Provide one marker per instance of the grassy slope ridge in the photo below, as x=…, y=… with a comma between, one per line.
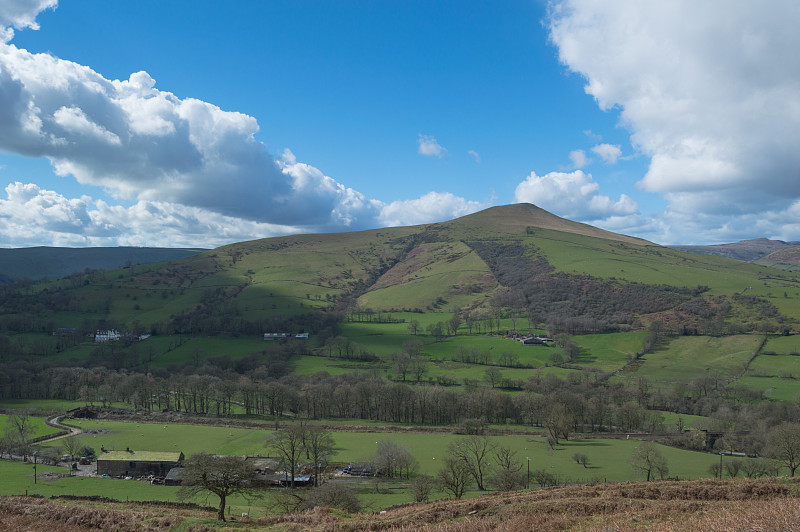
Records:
x=40, y=262
x=431, y=267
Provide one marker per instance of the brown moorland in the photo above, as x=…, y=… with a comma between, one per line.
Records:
x=706, y=504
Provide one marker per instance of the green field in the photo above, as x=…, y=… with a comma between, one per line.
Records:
x=687, y=357
x=607, y=352
x=610, y=455
x=37, y=426
x=775, y=388
x=764, y=365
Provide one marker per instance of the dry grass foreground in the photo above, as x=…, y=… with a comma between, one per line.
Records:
x=709, y=505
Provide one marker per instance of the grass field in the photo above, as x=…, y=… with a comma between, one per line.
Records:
x=783, y=345
x=764, y=365
x=607, y=352
x=775, y=388
x=37, y=426
x=687, y=357
x=609, y=455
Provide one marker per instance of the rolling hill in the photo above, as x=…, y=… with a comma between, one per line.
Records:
x=40, y=262
x=516, y=257
x=744, y=250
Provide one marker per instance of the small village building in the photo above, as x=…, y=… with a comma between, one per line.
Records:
x=130, y=463
x=111, y=335
x=285, y=336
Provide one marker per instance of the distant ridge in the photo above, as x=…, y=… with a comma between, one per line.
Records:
x=39, y=262
x=744, y=250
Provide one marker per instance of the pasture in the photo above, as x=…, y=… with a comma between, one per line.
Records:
x=608, y=457
x=37, y=426
x=684, y=358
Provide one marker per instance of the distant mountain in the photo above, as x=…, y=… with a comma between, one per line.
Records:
x=786, y=258
x=744, y=250
x=40, y=262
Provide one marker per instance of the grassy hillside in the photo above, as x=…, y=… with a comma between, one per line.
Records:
x=40, y=262
x=517, y=257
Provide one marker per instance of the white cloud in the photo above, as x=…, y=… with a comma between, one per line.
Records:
x=572, y=195
x=608, y=152
x=476, y=155
x=145, y=144
x=432, y=207
x=34, y=216
x=430, y=147
x=710, y=91
x=579, y=159
x=685, y=228
x=21, y=14
x=31, y=215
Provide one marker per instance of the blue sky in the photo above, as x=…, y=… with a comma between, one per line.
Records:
x=198, y=123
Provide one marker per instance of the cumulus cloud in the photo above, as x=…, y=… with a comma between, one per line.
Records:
x=145, y=144
x=21, y=14
x=432, y=207
x=34, y=216
x=579, y=159
x=684, y=228
x=430, y=147
x=708, y=90
x=31, y=215
x=572, y=195
x=196, y=173
x=609, y=153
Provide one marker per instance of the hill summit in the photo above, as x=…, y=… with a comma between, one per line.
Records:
x=516, y=218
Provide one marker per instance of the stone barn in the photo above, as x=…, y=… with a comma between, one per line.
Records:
x=137, y=463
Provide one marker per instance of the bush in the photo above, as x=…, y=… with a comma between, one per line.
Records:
x=421, y=487
x=333, y=495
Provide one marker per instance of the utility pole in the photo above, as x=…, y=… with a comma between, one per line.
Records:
x=528, y=483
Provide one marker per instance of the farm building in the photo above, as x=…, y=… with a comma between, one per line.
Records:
x=285, y=336
x=101, y=337
x=137, y=463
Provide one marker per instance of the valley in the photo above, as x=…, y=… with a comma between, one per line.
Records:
x=415, y=335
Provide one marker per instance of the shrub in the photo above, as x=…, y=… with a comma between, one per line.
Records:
x=333, y=495
x=421, y=487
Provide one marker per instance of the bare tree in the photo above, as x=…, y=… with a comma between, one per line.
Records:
x=783, y=444
x=647, y=459
x=287, y=444
x=221, y=475
x=22, y=424
x=393, y=459
x=557, y=420
x=508, y=470
x=421, y=487
x=581, y=459
x=401, y=362
x=319, y=447
x=72, y=446
x=493, y=375
x=474, y=451
x=453, y=476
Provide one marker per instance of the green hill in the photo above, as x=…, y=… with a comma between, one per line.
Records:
x=516, y=257
x=41, y=262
